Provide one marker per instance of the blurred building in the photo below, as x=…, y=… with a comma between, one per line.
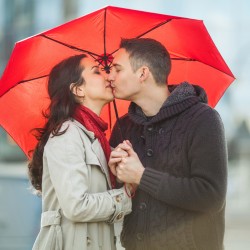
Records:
x=23, y=18
x=9, y=151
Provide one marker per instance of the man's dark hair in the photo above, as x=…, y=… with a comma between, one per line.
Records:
x=151, y=53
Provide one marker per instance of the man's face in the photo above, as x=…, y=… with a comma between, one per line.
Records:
x=125, y=82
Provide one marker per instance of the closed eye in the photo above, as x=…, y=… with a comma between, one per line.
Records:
x=96, y=70
x=117, y=67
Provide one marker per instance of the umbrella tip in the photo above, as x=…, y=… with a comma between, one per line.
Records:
x=107, y=69
x=105, y=60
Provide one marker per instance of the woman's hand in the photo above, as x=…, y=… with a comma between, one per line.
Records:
x=116, y=157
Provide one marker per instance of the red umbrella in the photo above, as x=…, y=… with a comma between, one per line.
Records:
x=23, y=94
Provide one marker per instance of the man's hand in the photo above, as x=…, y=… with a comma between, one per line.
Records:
x=130, y=168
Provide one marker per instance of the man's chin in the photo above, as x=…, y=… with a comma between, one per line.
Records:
x=116, y=95
x=120, y=96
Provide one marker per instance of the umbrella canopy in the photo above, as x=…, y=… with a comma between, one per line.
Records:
x=23, y=94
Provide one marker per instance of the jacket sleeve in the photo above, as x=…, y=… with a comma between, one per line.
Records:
x=65, y=156
x=205, y=188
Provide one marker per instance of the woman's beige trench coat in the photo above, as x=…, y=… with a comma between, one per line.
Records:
x=78, y=207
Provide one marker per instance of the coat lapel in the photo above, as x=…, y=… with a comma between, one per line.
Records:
x=97, y=149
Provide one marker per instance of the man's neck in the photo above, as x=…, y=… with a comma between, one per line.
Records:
x=152, y=100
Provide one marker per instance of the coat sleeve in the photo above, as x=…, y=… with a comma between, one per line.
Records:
x=205, y=188
x=65, y=158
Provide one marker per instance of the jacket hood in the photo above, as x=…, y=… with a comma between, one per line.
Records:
x=183, y=91
x=181, y=97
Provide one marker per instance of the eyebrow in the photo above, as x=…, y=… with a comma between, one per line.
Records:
x=95, y=67
x=117, y=65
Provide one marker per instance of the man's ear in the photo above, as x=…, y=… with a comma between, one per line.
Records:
x=77, y=90
x=143, y=73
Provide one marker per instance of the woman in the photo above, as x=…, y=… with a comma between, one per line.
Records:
x=69, y=164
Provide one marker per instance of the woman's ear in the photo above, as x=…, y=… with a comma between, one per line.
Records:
x=77, y=90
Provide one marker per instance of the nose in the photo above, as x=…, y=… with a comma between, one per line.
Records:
x=105, y=75
x=111, y=76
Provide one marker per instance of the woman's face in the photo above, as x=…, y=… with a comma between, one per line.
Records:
x=96, y=88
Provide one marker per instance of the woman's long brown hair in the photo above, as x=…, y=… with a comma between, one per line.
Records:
x=61, y=109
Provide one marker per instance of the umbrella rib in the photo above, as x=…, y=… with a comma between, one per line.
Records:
x=104, y=32
x=64, y=44
x=183, y=59
x=69, y=46
x=104, y=59
x=28, y=80
x=155, y=27
x=32, y=79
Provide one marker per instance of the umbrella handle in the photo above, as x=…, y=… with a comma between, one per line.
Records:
x=118, y=120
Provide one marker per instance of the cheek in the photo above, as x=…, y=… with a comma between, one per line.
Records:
x=124, y=79
x=94, y=87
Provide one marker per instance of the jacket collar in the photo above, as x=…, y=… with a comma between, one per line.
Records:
x=90, y=134
x=97, y=149
x=182, y=97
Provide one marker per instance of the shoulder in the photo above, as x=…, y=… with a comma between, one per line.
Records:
x=70, y=131
x=206, y=118
x=119, y=126
x=73, y=127
x=122, y=124
x=209, y=113
x=202, y=111
x=66, y=134
x=124, y=117
x=124, y=120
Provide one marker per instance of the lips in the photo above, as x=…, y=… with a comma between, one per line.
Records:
x=109, y=86
x=112, y=85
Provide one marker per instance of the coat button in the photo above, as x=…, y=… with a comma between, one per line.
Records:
x=142, y=137
x=161, y=131
x=139, y=236
x=149, y=152
x=119, y=216
x=118, y=198
x=88, y=240
x=142, y=206
x=150, y=128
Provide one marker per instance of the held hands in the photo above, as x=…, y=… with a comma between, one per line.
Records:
x=115, y=157
x=125, y=163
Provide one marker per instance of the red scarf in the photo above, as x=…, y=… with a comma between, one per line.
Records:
x=92, y=122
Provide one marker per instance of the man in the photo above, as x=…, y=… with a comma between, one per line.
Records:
x=177, y=157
